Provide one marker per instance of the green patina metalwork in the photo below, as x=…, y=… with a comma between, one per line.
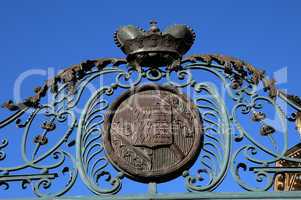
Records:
x=222, y=127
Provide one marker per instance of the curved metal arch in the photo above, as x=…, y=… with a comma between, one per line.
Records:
x=70, y=76
x=236, y=75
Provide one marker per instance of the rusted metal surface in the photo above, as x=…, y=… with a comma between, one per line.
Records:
x=69, y=76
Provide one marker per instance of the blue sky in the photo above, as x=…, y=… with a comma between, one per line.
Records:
x=41, y=34
x=55, y=34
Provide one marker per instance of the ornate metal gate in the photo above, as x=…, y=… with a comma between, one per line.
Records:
x=212, y=120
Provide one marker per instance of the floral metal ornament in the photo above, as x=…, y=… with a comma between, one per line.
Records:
x=239, y=132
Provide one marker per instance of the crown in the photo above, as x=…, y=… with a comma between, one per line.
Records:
x=153, y=46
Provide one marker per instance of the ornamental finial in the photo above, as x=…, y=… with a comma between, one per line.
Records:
x=153, y=26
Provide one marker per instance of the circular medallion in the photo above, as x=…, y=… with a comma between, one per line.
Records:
x=152, y=133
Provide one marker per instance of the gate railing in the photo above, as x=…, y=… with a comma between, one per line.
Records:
x=50, y=147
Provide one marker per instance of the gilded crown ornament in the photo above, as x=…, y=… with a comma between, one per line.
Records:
x=153, y=47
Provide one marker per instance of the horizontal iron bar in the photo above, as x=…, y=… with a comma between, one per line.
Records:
x=201, y=195
x=276, y=169
x=7, y=178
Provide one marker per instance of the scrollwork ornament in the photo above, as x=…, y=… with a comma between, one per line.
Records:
x=260, y=176
x=229, y=147
x=183, y=78
x=213, y=159
x=90, y=151
x=3, y=144
x=67, y=174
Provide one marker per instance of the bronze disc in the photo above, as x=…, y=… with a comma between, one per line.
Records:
x=152, y=133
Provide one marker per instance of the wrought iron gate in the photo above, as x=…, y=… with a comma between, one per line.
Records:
x=246, y=122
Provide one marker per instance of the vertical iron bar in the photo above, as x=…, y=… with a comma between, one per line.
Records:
x=152, y=188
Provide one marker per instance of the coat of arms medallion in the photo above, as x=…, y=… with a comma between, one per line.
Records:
x=152, y=133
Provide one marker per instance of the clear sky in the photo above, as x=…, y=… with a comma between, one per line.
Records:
x=40, y=34
x=37, y=34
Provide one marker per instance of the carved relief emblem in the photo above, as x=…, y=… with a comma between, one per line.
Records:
x=152, y=133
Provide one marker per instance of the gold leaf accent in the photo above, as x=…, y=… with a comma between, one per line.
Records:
x=298, y=121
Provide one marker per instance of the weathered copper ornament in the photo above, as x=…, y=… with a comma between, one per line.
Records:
x=152, y=133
